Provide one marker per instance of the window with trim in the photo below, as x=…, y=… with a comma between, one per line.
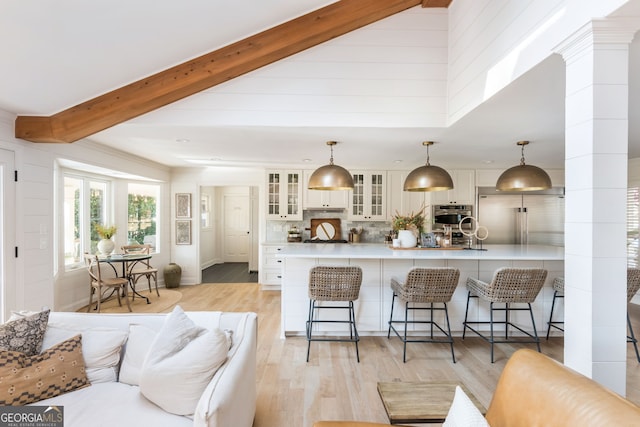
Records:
x=86, y=203
x=142, y=217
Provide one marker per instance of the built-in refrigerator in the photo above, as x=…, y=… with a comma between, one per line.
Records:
x=535, y=218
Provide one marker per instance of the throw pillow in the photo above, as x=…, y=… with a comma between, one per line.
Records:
x=24, y=334
x=101, y=348
x=138, y=344
x=26, y=379
x=181, y=362
x=463, y=413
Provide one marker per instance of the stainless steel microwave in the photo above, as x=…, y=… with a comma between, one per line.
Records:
x=451, y=215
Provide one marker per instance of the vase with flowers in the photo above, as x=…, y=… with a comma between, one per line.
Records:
x=408, y=227
x=106, y=245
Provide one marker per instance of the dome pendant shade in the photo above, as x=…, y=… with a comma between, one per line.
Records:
x=331, y=177
x=428, y=178
x=523, y=177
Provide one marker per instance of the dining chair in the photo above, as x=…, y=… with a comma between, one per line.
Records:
x=141, y=268
x=100, y=284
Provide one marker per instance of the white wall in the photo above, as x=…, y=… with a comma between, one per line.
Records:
x=493, y=42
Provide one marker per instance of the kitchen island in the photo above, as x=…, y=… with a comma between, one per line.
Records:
x=380, y=263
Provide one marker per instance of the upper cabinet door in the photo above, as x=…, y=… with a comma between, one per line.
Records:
x=368, y=199
x=284, y=195
x=322, y=198
x=463, y=192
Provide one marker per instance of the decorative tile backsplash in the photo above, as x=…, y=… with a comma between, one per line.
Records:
x=373, y=231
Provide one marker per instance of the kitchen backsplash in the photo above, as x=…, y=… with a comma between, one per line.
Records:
x=373, y=231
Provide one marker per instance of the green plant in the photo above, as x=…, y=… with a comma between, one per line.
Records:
x=105, y=232
x=412, y=221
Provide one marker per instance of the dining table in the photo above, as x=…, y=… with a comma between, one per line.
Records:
x=127, y=262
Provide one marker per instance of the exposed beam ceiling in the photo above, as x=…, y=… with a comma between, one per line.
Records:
x=206, y=71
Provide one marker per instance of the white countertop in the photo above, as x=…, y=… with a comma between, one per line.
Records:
x=381, y=251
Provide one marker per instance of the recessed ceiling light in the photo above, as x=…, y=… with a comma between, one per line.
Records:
x=397, y=161
x=487, y=162
x=306, y=160
x=182, y=140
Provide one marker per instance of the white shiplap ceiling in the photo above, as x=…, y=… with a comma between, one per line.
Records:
x=56, y=55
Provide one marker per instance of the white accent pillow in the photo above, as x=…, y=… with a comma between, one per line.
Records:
x=101, y=348
x=140, y=340
x=181, y=362
x=463, y=413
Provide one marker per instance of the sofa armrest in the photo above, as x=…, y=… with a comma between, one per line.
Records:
x=535, y=390
x=230, y=398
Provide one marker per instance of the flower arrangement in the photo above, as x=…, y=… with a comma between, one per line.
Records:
x=413, y=221
x=106, y=232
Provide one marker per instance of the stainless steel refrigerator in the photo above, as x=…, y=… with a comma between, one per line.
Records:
x=535, y=218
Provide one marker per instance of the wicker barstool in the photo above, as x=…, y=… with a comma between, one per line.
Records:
x=633, y=285
x=508, y=286
x=558, y=292
x=424, y=286
x=330, y=284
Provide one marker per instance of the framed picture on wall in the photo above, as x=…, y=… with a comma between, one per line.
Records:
x=183, y=232
x=183, y=205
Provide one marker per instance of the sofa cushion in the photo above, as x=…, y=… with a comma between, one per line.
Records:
x=138, y=344
x=101, y=348
x=463, y=413
x=26, y=379
x=25, y=333
x=181, y=362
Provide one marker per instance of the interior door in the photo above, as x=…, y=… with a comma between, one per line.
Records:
x=8, y=290
x=237, y=228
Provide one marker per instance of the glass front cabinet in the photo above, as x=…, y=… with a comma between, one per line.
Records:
x=284, y=195
x=367, y=200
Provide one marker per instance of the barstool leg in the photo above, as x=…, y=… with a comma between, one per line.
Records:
x=404, y=340
x=446, y=316
x=354, y=334
x=507, y=319
x=632, y=338
x=491, y=327
x=535, y=332
x=466, y=312
x=393, y=300
x=553, y=304
x=310, y=326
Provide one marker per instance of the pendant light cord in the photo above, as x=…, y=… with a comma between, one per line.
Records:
x=522, y=155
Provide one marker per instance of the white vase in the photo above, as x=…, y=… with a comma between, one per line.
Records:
x=407, y=239
x=106, y=246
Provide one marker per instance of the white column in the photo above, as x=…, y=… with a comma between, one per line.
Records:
x=596, y=145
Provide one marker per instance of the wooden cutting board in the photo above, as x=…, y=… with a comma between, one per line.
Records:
x=326, y=228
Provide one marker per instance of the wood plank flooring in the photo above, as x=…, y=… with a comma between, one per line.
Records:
x=333, y=385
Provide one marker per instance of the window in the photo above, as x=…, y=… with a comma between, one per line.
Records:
x=142, y=219
x=86, y=203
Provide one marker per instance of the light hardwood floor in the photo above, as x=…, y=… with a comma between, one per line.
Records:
x=333, y=385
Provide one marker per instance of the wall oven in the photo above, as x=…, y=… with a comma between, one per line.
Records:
x=452, y=215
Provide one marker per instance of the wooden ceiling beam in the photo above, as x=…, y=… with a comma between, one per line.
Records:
x=436, y=3
x=206, y=71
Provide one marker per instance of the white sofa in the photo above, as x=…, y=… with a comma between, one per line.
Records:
x=228, y=400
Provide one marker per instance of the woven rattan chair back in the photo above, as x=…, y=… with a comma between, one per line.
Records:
x=517, y=285
x=335, y=283
x=428, y=285
x=633, y=282
x=558, y=284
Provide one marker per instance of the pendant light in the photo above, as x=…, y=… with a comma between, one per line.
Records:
x=428, y=177
x=331, y=177
x=523, y=177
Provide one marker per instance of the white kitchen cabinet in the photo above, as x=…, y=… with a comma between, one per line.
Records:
x=404, y=202
x=368, y=199
x=271, y=266
x=463, y=192
x=284, y=195
x=322, y=198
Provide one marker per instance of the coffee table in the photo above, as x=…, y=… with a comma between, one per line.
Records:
x=420, y=402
